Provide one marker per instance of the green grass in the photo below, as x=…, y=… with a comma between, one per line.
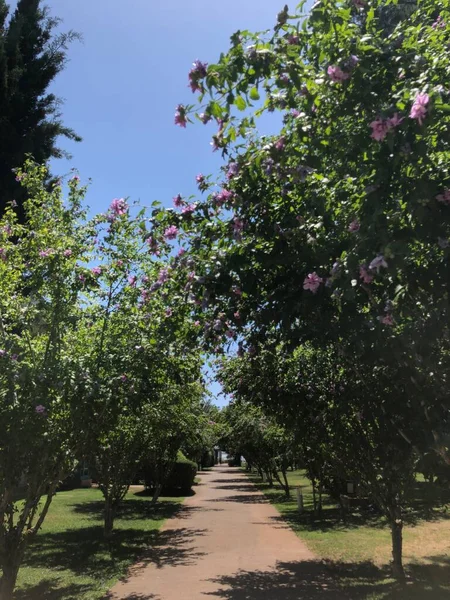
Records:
x=69, y=559
x=358, y=551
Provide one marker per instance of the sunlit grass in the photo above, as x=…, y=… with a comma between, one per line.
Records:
x=69, y=559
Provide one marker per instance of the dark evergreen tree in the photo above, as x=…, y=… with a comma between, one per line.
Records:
x=32, y=53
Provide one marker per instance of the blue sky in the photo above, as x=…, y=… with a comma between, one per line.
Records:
x=122, y=83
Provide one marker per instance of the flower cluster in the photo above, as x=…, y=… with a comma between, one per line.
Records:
x=419, y=108
x=196, y=74
x=381, y=127
x=180, y=116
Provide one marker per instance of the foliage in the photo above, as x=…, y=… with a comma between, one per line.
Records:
x=31, y=56
x=182, y=475
x=333, y=236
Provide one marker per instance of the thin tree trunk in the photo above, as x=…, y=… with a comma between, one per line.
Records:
x=156, y=493
x=313, y=481
x=8, y=581
x=110, y=514
x=287, y=489
x=397, y=543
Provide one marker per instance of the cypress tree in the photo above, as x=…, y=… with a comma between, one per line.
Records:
x=32, y=53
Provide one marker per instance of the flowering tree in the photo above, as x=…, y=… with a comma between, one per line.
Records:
x=336, y=231
x=39, y=314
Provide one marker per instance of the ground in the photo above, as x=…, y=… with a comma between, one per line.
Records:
x=359, y=551
x=69, y=560
x=234, y=539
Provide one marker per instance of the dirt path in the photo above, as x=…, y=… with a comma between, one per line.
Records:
x=227, y=542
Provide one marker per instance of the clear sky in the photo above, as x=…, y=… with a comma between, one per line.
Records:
x=122, y=84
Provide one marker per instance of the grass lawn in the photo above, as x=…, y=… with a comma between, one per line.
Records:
x=359, y=550
x=69, y=559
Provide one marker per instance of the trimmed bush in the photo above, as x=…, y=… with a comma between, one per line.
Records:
x=182, y=476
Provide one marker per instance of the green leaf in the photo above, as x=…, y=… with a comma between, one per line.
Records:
x=254, y=94
x=240, y=103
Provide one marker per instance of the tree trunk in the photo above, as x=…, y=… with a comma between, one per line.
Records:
x=397, y=546
x=8, y=580
x=110, y=514
x=313, y=481
x=286, y=487
x=156, y=493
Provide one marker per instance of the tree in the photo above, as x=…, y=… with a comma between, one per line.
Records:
x=31, y=56
x=39, y=403
x=335, y=232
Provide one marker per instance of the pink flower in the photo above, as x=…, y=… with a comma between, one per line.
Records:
x=394, y=121
x=40, y=409
x=364, y=274
x=237, y=291
x=380, y=129
x=444, y=197
x=171, y=233
x=132, y=280
x=153, y=244
x=119, y=263
x=96, y=270
x=46, y=253
x=178, y=201
x=238, y=227
x=123, y=378
x=197, y=323
x=163, y=276
x=222, y=197
x=75, y=178
x=312, y=282
x=118, y=207
x=377, y=263
x=418, y=109
x=168, y=312
x=439, y=23
x=336, y=74
x=181, y=251
x=189, y=209
x=67, y=253
x=180, y=116
x=387, y=320
x=354, y=226
x=82, y=278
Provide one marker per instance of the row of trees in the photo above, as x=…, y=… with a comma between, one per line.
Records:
x=99, y=356
x=322, y=257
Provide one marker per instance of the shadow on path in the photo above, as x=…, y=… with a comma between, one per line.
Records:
x=313, y=580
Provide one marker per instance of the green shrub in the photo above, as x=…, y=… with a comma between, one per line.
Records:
x=182, y=475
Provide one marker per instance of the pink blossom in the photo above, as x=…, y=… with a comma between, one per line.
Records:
x=168, y=312
x=237, y=291
x=40, y=409
x=293, y=40
x=171, y=232
x=163, y=276
x=197, y=323
x=178, y=201
x=380, y=129
x=387, y=320
x=2, y=353
x=118, y=207
x=132, y=280
x=233, y=170
x=439, y=23
x=395, y=121
x=82, y=278
x=444, y=197
x=153, y=244
x=180, y=116
x=189, y=209
x=418, y=109
x=354, y=226
x=96, y=270
x=119, y=263
x=222, y=197
x=238, y=227
x=67, y=253
x=14, y=357
x=7, y=229
x=75, y=178
x=364, y=274
x=377, y=263
x=46, y=253
x=336, y=74
x=312, y=282
x=181, y=251
x=123, y=378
